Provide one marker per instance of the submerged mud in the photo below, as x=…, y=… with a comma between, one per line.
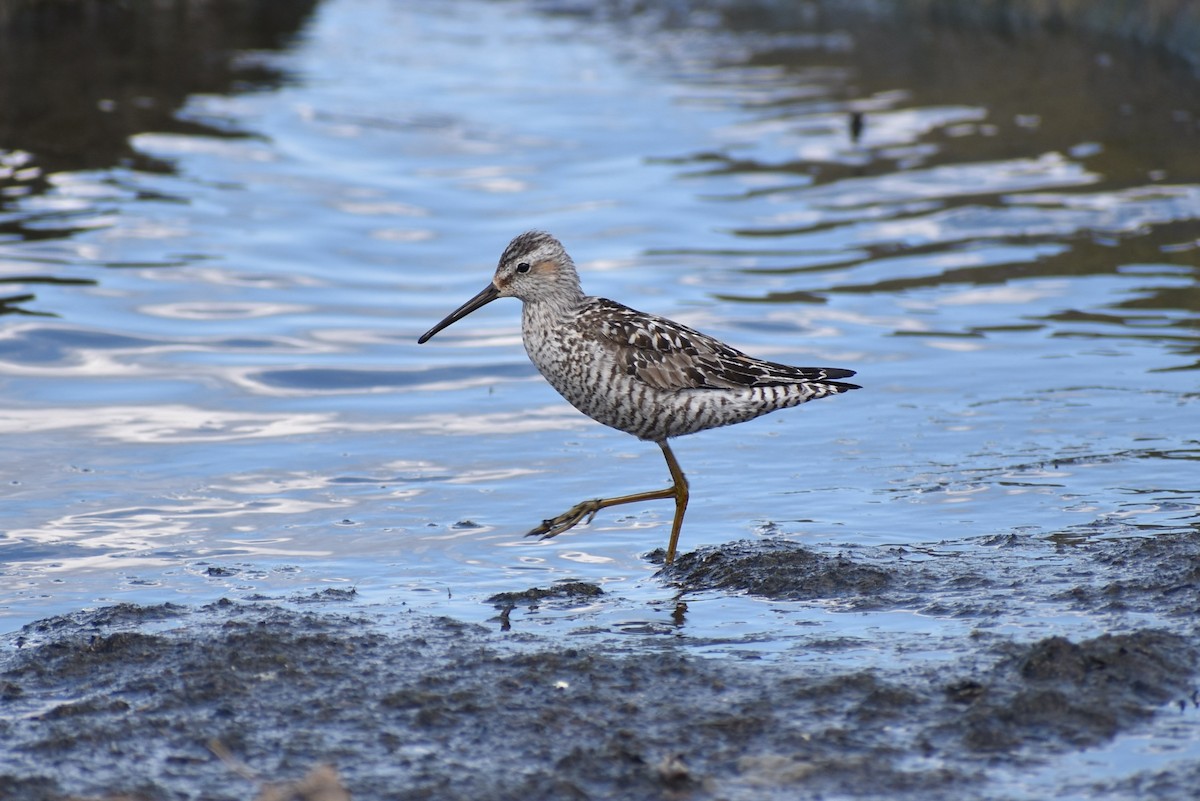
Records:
x=165, y=701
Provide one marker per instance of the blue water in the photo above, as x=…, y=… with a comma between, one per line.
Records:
x=220, y=392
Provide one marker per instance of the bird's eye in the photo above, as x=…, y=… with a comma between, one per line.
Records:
x=523, y=267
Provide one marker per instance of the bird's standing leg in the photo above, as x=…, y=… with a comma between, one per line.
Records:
x=680, y=485
x=573, y=516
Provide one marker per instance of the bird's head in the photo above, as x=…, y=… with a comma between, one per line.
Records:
x=535, y=267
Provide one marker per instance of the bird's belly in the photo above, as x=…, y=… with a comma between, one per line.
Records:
x=591, y=381
x=600, y=387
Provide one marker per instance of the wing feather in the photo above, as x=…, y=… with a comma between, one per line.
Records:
x=669, y=356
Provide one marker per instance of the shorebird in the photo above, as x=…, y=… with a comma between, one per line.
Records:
x=638, y=373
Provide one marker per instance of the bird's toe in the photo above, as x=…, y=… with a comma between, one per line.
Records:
x=554, y=526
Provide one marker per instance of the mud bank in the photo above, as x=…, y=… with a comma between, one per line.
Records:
x=130, y=699
x=1169, y=27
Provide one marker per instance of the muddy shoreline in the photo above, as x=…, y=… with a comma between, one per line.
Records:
x=128, y=701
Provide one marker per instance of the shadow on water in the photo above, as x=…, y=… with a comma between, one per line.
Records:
x=82, y=78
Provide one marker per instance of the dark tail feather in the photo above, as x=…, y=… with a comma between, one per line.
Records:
x=825, y=374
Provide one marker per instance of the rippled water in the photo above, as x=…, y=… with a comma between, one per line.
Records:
x=209, y=373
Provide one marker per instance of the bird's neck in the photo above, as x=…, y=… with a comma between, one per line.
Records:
x=553, y=307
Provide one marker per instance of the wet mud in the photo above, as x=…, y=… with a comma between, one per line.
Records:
x=1153, y=575
x=300, y=698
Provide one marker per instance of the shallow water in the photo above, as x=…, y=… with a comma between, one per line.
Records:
x=211, y=385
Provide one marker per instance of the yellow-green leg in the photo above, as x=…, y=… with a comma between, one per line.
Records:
x=588, y=509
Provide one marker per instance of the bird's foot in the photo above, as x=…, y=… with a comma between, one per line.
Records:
x=567, y=520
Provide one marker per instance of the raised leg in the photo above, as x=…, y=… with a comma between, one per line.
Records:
x=588, y=509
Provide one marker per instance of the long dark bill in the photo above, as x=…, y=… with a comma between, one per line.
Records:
x=485, y=297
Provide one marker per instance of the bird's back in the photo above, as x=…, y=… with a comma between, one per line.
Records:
x=654, y=378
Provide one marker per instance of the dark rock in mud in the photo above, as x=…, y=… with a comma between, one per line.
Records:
x=561, y=590
x=327, y=594
x=776, y=569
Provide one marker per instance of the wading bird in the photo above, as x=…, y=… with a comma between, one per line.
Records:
x=638, y=373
